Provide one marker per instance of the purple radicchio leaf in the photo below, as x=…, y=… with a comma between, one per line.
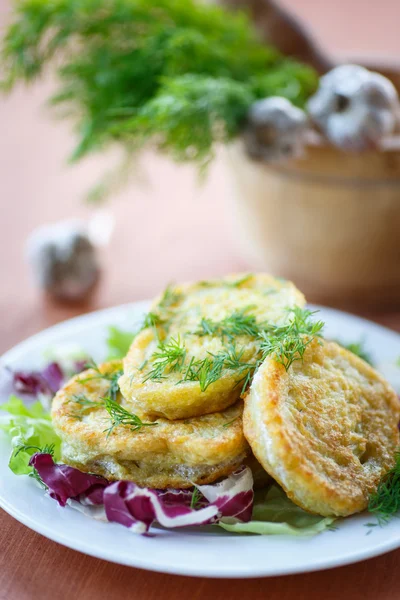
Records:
x=65, y=482
x=233, y=496
x=80, y=365
x=53, y=377
x=47, y=381
x=33, y=383
x=137, y=508
x=183, y=497
x=28, y=383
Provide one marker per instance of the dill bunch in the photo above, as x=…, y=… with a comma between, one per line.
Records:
x=178, y=74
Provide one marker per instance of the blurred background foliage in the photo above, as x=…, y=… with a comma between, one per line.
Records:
x=179, y=74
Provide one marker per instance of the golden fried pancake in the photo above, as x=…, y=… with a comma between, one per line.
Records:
x=169, y=454
x=183, y=318
x=325, y=430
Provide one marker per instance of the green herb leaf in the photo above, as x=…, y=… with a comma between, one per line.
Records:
x=240, y=281
x=196, y=497
x=239, y=323
x=177, y=73
x=385, y=502
x=30, y=429
x=210, y=369
x=168, y=358
x=121, y=416
x=287, y=344
x=112, y=377
x=118, y=342
x=275, y=514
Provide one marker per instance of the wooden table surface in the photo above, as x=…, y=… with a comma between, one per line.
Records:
x=167, y=228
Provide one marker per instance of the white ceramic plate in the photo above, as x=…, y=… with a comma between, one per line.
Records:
x=192, y=552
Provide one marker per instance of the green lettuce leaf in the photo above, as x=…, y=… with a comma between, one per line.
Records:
x=118, y=342
x=27, y=426
x=275, y=514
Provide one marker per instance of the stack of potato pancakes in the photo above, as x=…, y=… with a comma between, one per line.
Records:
x=231, y=372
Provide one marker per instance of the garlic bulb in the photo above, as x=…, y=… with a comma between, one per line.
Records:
x=354, y=108
x=63, y=260
x=275, y=130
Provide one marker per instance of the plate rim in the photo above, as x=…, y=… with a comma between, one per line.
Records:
x=221, y=571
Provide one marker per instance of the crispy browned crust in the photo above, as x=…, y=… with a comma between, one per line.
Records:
x=171, y=454
x=326, y=430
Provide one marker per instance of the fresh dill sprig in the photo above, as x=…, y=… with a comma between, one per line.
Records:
x=170, y=296
x=285, y=343
x=111, y=377
x=161, y=314
x=82, y=400
x=168, y=358
x=385, y=502
x=152, y=319
x=46, y=449
x=238, y=323
x=229, y=284
x=208, y=370
x=288, y=343
x=238, y=282
x=195, y=499
x=229, y=423
x=120, y=416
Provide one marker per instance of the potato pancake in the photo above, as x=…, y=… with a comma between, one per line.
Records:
x=165, y=454
x=326, y=429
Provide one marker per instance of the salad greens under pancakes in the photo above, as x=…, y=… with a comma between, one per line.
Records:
x=230, y=503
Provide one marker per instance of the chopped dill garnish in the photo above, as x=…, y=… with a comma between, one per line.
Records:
x=169, y=297
x=229, y=284
x=240, y=281
x=385, y=502
x=120, y=416
x=208, y=370
x=161, y=314
x=287, y=343
x=46, y=449
x=77, y=417
x=168, y=358
x=111, y=377
x=82, y=400
x=229, y=423
x=151, y=320
x=196, y=497
x=238, y=323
